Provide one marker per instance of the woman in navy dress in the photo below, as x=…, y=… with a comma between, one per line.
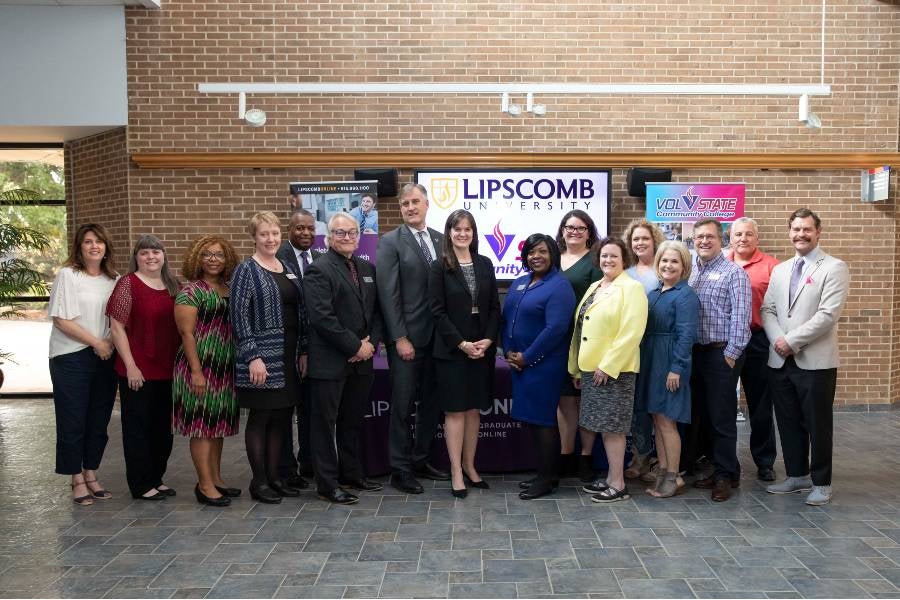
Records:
x=663, y=385
x=537, y=315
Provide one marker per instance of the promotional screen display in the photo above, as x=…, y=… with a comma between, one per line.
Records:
x=508, y=206
x=675, y=207
x=326, y=198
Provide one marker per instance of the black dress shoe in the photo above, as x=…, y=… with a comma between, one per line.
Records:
x=283, y=489
x=530, y=482
x=297, y=482
x=167, y=492
x=203, y=499
x=481, y=485
x=338, y=496
x=228, y=491
x=459, y=493
x=429, y=472
x=536, y=490
x=264, y=494
x=406, y=483
x=766, y=474
x=363, y=485
x=153, y=498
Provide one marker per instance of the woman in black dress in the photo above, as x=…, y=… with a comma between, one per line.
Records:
x=466, y=308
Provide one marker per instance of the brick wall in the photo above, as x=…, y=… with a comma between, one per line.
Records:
x=171, y=50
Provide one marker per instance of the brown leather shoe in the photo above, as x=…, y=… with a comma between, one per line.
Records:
x=722, y=490
x=710, y=482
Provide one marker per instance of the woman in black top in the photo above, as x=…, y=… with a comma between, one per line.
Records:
x=466, y=308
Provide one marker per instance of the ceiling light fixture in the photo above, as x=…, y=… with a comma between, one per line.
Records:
x=254, y=117
x=805, y=116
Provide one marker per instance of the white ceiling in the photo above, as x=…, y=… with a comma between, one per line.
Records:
x=51, y=134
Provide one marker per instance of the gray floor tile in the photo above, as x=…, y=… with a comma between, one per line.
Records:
x=450, y=560
x=229, y=524
x=772, y=537
x=294, y=563
x=565, y=531
x=427, y=533
x=656, y=588
x=828, y=588
x=616, y=538
x=80, y=587
x=329, y=542
x=892, y=575
x=80, y=555
x=492, y=521
x=845, y=547
x=240, y=553
x=645, y=520
x=189, y=518
x=315, y=591
x=607, y=558
x=390, y=551
x=371, y=524
x=141, y=535
x=483, y=590
x=178, y=575
x=403, y=509
x=188, y=542
x=494, y=540
x=514, y=570
x=246, y=586
x=744, y=579
x=363, y=573
x=678, y=567
x=757, y=556
x=283, y=530
x=707, y=528
x=839, y=568
x=415, y=585
x=136, y=565
x=583, y=581
x=847, y=528
x=542, y=549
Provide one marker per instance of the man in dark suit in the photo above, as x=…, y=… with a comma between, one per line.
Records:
x=346, y=327
x=296, y=253
x=403, y=260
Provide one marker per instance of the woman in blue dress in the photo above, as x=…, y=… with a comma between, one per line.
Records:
x=537, y=315
x=663, y=385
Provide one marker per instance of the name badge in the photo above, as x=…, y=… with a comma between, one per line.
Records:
x=521, y=286
x=291, y=276
x=714, y=277
x=367, y=279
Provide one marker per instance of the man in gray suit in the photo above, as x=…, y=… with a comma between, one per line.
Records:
x=800, y=315
x=402, y=265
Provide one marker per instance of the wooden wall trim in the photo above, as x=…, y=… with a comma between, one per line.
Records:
x=674, y=160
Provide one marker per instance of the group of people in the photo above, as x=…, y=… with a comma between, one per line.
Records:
x=610, y=336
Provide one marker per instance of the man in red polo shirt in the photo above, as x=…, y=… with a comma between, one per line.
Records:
x=758, y=266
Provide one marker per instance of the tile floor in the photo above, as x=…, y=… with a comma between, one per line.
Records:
x=489, y=545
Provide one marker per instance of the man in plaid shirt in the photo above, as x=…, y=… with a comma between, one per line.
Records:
x=724, y=331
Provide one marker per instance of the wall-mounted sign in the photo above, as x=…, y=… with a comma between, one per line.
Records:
x=689, y=202
x=324, y=199
x=508, y=206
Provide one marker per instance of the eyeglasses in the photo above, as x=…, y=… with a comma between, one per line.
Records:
x=345, y=233
x=219, y=256
x=575, y=229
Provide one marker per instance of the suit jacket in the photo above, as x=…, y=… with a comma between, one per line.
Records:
x=289, y=257
x=612, y=330
x=341, y=315
x=403, y=286
x=808, y=321
x=451, y=305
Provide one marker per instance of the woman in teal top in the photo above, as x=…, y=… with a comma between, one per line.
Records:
x=575, y=236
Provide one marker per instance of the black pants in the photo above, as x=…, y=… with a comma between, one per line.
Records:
x=412, y=389
x=84, y=391
x=146, y=433
x=289, y=463
x=714, y=408
x=546, y=451
x=755, y=380
x=803, y=406
x=338, y=409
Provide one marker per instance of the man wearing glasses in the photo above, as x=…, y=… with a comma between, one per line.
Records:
x=724, y=331
x=346, y=327
x=404, y=258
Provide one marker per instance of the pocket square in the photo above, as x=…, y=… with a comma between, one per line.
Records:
x=809, y=280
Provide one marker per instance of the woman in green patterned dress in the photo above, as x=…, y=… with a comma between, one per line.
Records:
x=205, y=406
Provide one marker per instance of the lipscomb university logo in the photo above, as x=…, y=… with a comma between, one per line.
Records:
x=444, y=191
x=499, y=242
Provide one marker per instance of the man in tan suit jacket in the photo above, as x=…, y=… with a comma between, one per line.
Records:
x=800, y=315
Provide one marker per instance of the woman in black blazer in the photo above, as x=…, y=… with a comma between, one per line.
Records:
x=466, y=307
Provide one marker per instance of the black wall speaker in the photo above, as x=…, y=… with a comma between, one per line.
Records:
x=387, y=180
x=639, y=176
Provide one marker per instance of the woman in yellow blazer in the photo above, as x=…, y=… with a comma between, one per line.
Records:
x=604, y=358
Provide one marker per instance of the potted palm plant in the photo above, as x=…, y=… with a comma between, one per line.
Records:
x=17, y=276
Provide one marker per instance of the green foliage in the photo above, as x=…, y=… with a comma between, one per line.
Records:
x=18, y=277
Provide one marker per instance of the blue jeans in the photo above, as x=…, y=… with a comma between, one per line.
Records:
x=84, y=391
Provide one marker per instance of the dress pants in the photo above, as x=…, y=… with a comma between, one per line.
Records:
x=338, y=409
x=412, y=389
x=804, y=399
x=84, y=391
x=146, y=433
x=755, y=380
x=714, y=407
x=289, y=463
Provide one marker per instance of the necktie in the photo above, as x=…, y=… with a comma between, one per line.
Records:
x=424, y=246
x=353, y=274
x=795, y=278
x=304, y=261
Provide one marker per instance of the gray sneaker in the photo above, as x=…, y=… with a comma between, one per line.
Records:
x=820, y=495
x=791, y=485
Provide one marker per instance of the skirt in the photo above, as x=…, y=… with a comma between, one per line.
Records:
x=465, y=384
x=607, y=408
x=289, y=395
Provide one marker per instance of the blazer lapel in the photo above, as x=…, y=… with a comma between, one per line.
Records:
x=801, y=285
x=412, y=242
x=345, y=273
x=462, y=280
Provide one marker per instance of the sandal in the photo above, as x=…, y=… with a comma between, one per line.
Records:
x=654, y=472
x=82, y=500
x=669, y=486
x=657, y=482
x=611, y=494
x=639, y=465
x=100, y=494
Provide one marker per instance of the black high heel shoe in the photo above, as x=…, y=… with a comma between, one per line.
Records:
x=459, y=493
x=229, y=491
x=204, y=499
x=481, y=485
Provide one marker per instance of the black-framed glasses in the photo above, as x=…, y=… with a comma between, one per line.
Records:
x=575, y=229
x=220, y=256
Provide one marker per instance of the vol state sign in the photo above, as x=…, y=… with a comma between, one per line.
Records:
x=689, y=202
x=508, y=206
